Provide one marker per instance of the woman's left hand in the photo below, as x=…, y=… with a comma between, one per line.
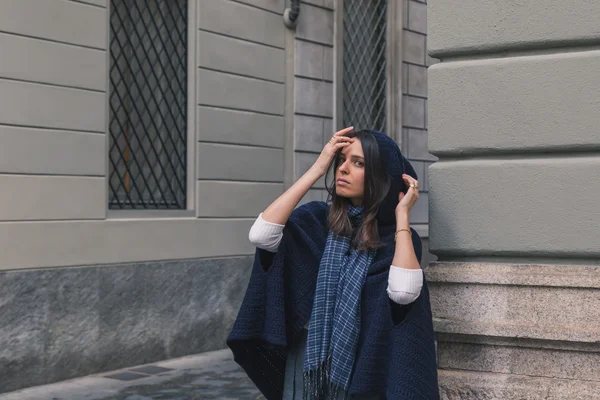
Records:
x=408, y=200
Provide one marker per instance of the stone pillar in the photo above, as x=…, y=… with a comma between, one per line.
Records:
x=514, y=117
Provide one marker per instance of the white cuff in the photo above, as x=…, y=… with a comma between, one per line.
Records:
x=404, y=285
x=266, y=235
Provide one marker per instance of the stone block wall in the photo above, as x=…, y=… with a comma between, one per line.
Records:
x=513, y=198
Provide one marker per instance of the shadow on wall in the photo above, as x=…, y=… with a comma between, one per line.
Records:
x=426, y=257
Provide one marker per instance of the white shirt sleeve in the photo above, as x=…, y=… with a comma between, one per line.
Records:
x=404, y=285
x=266, y=235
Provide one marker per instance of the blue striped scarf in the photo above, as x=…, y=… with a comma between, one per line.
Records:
x=335, y=315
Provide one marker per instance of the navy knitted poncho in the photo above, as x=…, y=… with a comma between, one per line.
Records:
x=396, y=351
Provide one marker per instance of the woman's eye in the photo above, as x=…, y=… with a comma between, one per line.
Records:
x=359, y=164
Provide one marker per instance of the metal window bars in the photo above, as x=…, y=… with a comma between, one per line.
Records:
x=364, y=64
x=148, y=104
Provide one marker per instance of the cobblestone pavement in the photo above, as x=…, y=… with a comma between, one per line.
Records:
x=207, y=376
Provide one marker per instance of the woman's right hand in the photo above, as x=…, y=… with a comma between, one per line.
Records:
x=337, y=141
x=280, y=210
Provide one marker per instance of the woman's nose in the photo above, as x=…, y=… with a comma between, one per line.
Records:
x=343, y=167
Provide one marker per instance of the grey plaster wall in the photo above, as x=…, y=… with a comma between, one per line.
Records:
x=53, y=135
x=52, y=109
x=313, y=94
x=511, y=129
x=415, y=104
x=414, y=142
x=241, y=100
x=496, y=25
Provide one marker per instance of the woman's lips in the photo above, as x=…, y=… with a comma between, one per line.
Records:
x=342, y=182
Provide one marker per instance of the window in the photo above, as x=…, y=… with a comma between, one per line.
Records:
x=148, y=104
x=364, y=64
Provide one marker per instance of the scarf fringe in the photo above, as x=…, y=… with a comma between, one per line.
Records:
x=318, y=386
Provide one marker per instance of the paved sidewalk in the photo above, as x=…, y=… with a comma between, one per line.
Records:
x=207, y=376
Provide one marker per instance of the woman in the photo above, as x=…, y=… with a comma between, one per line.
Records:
x=337, y=306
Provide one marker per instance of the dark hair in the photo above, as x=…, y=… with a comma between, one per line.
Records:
x=377, y=185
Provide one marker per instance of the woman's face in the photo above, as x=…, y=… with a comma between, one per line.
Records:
x=350, y=173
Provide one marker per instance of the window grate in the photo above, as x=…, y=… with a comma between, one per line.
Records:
x=364, y=64
x=148, y=104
